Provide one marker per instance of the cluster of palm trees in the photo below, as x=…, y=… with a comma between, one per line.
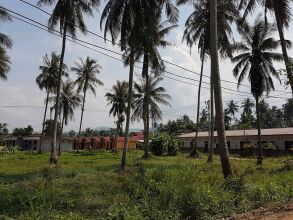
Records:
x=253, y=56
x=140, y=28
x=70, y=98
x=141, y=90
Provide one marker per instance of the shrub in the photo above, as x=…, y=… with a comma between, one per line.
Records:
x=172, y=146
x=249, y=149
x=159, y=144
x=164, y=143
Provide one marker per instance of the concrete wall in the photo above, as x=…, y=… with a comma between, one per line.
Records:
x=66, y=145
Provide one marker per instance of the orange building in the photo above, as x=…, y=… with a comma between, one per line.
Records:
x=132, y=142
x=107, y=143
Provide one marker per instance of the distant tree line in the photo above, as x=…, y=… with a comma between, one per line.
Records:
x=237, y=116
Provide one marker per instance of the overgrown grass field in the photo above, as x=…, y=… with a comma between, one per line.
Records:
x=88, y=186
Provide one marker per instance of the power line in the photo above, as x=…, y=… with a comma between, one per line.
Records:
x=115, y=52
x=104, y=38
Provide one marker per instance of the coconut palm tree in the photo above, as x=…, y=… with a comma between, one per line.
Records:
x=157, y=95
x=255, y=59
x=152, y=35
x=47, y=80
x=117, y=99
x=69, y=15
x=216, y=82
x=86, y=72
x=247, y=106
x=282, y=11
x=123, y=20
x=69, y=101
x=197, y=32
x=233, y=108
x=5, y=42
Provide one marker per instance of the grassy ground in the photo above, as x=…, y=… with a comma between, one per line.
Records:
x=87, y=186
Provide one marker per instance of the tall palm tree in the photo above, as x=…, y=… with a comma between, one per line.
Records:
x=256, y=60
x=47, y=79
x=69, y=15
x=197, y=32
x=5, y=42
x=148, y=95
x=86, y=72
x=152, y=37
x=69, y=101
x=123, y=20
x=282, y=10
x=117, y=99
x=216, y=82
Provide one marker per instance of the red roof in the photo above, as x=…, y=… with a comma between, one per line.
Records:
x=106, y=139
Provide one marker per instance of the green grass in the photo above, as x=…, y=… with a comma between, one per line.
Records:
x=88, y=186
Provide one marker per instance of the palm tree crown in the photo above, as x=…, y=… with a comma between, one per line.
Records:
x=86, y=75
x=5, y=42
x=117, y=98
x=247, y=106
x=157, y=95
x=257, y=58
x=197, y=26
x=233, y=108
x=69, y=14
x=47, y=79
x=70, y=100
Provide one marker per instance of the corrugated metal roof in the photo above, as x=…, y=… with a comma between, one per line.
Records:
x=253, y=132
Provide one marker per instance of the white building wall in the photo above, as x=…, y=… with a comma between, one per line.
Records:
x=278, y=141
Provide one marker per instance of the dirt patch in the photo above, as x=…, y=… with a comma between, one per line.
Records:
x=283, y=212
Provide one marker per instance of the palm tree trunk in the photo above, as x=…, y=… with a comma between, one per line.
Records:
x=116, y=135
x=145, y=147
x=193, y=152
x=224, y=153
x=259, y=145
x=60, y=136
x=212, y=124
x=284, y=48
x=128, y=111
x=81, y=118
x=145, y=73
x=43, y=126
x=53, y=158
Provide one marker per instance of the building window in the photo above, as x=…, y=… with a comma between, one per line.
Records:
x=35, y=142
x=182, y=143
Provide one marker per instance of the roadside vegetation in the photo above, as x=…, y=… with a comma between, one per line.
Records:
x=88, y=186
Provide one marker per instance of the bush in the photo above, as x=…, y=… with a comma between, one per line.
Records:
x=164, y=143
x=172, y=146
x=158, y=145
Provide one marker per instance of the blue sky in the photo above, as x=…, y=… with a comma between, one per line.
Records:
x=31, y=44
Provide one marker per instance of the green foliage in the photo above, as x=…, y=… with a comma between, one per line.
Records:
x=164, y=143
x=172, y=146
x=159, y=144
x=3, y=129
x=23, y=131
